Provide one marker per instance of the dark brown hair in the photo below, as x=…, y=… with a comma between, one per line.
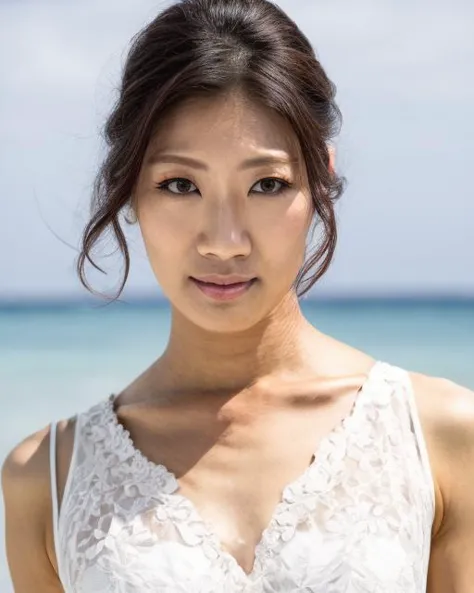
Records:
x=210, y=48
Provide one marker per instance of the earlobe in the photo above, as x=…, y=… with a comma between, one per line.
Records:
x=332, y=159
x=130, y=215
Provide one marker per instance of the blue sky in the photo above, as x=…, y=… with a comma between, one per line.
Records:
x=404, y=72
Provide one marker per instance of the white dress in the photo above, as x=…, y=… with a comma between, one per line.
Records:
x=358, y=520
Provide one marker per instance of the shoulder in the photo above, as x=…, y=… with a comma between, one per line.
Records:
x=26, y=494
x=29, y=460
x=26, y=487
x=26, y=479
x=446, y=411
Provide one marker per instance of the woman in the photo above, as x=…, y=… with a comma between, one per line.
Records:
x=256, y=454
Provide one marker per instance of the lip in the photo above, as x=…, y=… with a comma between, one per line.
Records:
x=223, y=288
x=223, y=280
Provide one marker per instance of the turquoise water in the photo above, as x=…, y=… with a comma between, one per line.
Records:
x=55, y=361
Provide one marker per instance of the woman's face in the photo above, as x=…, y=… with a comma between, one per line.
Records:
x=224, y=234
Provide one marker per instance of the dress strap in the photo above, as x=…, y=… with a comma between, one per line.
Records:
x=418, y=433
x=54, y=484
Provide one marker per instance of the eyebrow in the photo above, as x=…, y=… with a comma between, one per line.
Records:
x=160, y=157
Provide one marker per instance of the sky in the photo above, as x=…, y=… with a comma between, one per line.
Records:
x=405, y=77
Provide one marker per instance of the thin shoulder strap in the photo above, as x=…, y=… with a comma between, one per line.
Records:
x=418, y=432
x=56, y=507
x=54, y=483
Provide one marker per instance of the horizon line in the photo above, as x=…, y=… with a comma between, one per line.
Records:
x=8, y=304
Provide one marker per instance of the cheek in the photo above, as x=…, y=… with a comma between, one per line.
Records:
x=165, y=224
x=286, y=233
x=166, y=235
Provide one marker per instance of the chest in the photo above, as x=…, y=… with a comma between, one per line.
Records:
x=324, y=536
x=347, y=523
x=234, y=477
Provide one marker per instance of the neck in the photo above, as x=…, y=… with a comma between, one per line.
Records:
x=219, y=362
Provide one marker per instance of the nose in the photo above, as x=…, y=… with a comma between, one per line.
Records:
x=223, y=233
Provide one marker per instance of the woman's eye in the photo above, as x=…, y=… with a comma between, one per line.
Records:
x=268, y=185
x=182, y=185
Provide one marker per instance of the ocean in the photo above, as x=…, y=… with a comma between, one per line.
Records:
x=59, y=359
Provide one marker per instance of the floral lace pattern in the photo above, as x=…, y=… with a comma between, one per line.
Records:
x=358, y=520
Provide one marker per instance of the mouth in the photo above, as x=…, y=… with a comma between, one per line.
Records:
x=224, y=288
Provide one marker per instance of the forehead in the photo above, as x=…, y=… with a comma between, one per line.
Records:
x=226, y=124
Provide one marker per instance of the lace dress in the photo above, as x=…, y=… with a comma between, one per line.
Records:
x=358, y=520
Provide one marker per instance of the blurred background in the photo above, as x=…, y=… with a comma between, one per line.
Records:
x=402, y=284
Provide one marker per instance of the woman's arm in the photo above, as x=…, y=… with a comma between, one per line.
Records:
x=28, y=516
x=448, y=414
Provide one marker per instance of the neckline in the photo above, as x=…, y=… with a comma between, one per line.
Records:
x=290, y=493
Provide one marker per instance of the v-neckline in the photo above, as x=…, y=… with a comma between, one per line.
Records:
x=320, y=455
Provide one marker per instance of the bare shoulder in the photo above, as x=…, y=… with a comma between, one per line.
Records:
x=446, y=411
x=28, y=463
x=26, y=482
x=26, y=486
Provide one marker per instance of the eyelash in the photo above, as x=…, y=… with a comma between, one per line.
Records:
x=164, y=185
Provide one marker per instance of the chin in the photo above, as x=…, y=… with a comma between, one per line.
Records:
x=226, y=320
x=224, y=317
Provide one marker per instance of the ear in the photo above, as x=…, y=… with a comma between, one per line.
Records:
x=332, y=159
x=130, y=212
